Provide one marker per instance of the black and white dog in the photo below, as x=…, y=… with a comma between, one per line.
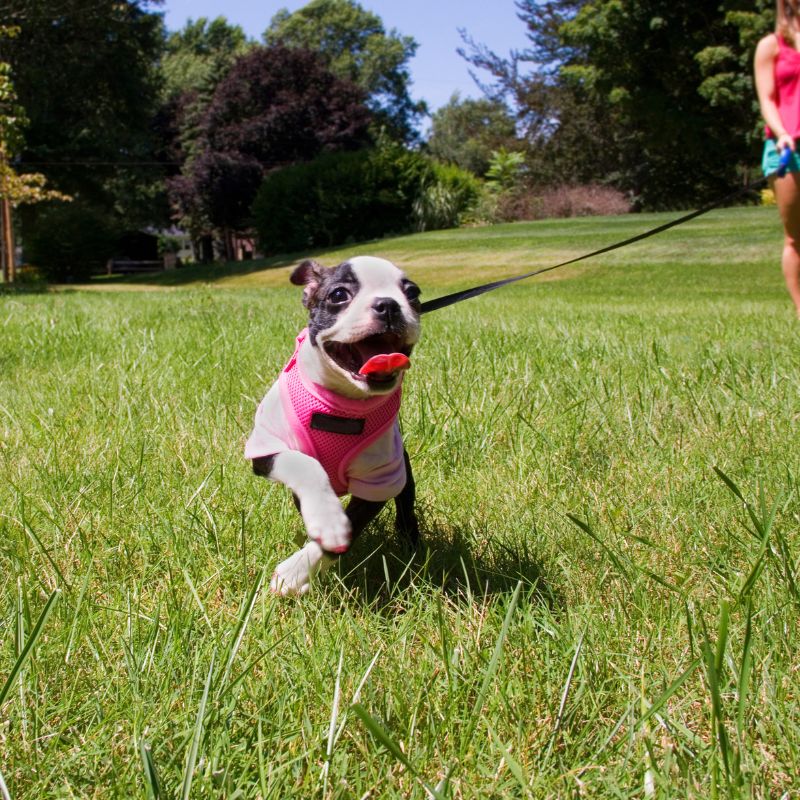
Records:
x=328, y=426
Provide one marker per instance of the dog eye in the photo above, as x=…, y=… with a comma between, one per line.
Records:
x=412, y=291
x=339, y=296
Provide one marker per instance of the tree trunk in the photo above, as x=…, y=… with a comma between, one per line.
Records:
x=7, y=243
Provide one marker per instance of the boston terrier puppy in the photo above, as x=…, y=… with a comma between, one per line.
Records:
x=328, y=426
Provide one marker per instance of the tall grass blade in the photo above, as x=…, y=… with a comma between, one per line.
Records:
x=4, y=793
x=587, y=529
x=356, y=694
x=730, y=484
x=713, y=659
x=332, y=725
x=565, y=692
x=491, y=670
x=745, y=670
x=668, y=693
x=29, y=530
x=516, y=769
x=76, y=616
x=746, y=589
x=29, y=645
x=198, y=735
x=379, y=732
x=241, y=627
x=151, y=780
x=197, y=599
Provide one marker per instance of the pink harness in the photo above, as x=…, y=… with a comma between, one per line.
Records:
x=333, y=429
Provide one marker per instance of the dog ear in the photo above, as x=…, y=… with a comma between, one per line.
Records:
x=309, y=275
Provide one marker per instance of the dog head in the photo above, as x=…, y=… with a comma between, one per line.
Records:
x=363, y=308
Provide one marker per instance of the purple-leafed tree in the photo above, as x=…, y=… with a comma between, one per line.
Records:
x=276, y=106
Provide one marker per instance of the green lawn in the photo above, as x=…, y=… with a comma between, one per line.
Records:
x=606, y=603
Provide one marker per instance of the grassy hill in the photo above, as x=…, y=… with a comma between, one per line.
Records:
x=606, y=600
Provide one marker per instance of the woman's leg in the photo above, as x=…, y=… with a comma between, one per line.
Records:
x=787, y=195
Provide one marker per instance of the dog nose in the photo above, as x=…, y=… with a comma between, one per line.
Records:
x=386, y=308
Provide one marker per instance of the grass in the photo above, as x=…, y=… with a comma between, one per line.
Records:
x=606, y=603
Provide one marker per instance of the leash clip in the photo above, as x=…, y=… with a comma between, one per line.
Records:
x=783, y=164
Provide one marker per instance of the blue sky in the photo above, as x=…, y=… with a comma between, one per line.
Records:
x=437, y=70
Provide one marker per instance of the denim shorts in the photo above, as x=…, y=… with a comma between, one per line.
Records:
x=770, y=161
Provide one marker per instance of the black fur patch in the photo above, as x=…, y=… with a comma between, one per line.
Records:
x=323, y=312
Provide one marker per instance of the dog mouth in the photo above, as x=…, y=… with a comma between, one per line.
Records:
x=376, y=360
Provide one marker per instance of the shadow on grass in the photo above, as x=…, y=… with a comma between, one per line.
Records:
x=380, y=567
x=198, y=273
x=10, y=289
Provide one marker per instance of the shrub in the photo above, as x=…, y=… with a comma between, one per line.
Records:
x=445, y=198
x=168, y=244
x=357, y=196
x=69, y=241
x=581, y=201
x=520, y=203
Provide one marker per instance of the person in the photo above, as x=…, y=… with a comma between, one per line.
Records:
x=777, y=77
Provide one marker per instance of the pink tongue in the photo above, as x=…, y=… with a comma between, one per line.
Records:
x=385, y=362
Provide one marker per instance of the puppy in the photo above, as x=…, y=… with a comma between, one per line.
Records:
x=328, y=426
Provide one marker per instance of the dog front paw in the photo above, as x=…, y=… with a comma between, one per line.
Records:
x=293, y=577
x=328, y=526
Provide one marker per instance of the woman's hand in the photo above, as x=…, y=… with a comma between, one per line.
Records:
x=784, y=141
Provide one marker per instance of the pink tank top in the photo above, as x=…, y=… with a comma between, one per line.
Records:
x=333, y=429
x=787, y=88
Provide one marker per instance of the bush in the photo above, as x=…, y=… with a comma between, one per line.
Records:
x=519, y=203
x=357, y=196
x=69, y=241
x=446, y=197
x=581, y=201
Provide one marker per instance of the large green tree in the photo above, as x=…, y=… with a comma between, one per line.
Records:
x=275, y=106
x=195, y=60
x=567, y=137
x=357, y=48
x=658, y=97
x=15, y=188
x=87, y=75
x=466, y=132
x=681, y=126
x=197, y=57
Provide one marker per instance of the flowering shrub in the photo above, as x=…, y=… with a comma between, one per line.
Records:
x=581, y=201
x=561, y=201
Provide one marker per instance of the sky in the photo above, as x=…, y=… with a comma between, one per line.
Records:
x=437, y=70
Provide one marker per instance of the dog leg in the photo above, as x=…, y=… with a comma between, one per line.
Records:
x=327, y=525
x=406, y=520
x=294, y=576
x=362, y=512
x=325, y=519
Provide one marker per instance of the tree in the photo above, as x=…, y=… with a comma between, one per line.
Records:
x=275, y=106
x=357, y=48
x=197, y=57
x=657, y=98
x=566, y=137
x=676, y=147
x=466, y=132
x=87, y=77
x=15, y=188
x=195, y=60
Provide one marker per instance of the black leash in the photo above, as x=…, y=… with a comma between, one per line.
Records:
x=466, y=294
